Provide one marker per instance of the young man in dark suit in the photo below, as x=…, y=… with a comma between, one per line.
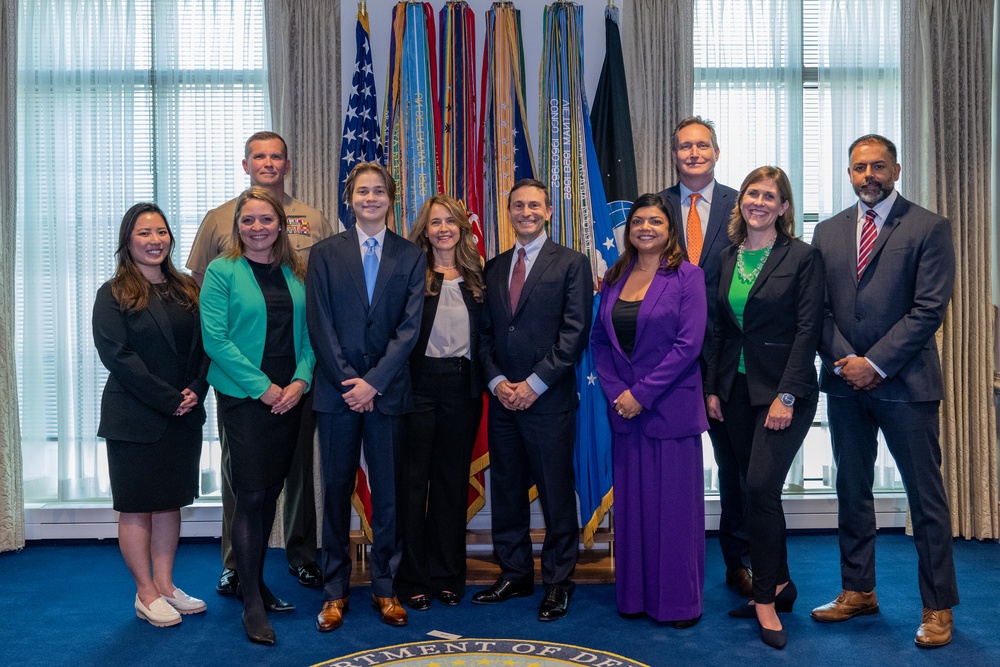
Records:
x=890, y=269
x=695, y=151
x=536, y=325
x=365, y=296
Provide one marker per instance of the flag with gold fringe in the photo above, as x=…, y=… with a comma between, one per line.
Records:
x=581, y=220
x=461, y=173
x=412, y=121
x=505, y=147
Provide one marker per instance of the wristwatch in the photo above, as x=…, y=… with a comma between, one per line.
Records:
x=787, y=400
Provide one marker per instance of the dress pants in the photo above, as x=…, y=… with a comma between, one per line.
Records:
x=436, y=455
x=527, y=448
x=733, y=538
x=911, y=432
x=764, y=456
x=300, y=495
x=341, y=436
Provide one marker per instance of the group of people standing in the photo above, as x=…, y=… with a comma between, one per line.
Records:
x=386, y=344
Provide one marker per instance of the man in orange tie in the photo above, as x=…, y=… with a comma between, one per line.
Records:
x=702, y=205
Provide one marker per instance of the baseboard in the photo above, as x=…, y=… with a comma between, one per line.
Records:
x=53, y=521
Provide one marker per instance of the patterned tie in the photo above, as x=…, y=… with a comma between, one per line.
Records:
x=868, y=235
x=695, y=238
x=371, y=266
x=517, y=280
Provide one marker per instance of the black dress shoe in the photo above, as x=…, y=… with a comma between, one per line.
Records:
x=418, y=602
x=554, y=605
x=308, y=574
x=448, y=598
x=228, y=582
x=686, y=623
x=503, y=590
x=271, y=602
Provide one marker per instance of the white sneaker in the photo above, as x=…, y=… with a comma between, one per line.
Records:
x=159, y=613
x=184, y=603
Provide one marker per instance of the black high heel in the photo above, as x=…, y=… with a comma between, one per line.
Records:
x=258, y=632
x=774, y=638
x=785, y=600
x=783, y=603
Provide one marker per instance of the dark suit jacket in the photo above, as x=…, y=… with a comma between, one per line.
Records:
x=891, y=316
x=475, y=309
x=146, y=371
x=550, y=330
x=354, y=339
x=716, y=239
x=782, y=322
x=663, y=372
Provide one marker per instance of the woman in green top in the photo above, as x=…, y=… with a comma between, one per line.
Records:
x=761, y=378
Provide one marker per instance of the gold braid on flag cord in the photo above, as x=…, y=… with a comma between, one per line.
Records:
x=393, y=117
x=504, y=110
x=561, y=118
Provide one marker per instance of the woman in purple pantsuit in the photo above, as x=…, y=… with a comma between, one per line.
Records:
x=646, y=341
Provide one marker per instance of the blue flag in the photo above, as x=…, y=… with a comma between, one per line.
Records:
x=362, y=139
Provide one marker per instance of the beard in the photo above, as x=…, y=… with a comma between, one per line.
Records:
x=873, y=192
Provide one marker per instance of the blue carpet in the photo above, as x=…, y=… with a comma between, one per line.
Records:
x=71, y=602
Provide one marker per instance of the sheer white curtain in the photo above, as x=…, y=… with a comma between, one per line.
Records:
x=859, y=89
x=748, y=80
x=118, y=101
x=859, y=92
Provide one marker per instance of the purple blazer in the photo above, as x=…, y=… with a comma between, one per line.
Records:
x=663, y=372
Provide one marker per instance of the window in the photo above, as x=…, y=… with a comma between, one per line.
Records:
x=119, y=101
x=791, y=83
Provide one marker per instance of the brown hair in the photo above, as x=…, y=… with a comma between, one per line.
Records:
x=265, y=136
x=129, y=287
x=785, y=224
x=390, y=188
x=282, y=252
x=468, y=263
x=672, y=255
x=529, y=183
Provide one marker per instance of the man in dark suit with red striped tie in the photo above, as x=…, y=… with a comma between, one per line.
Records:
x=890, y=268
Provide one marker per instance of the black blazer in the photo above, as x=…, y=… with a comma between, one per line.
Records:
x=550, y=330
x=147, y=371
x=475, y=309
x=782, y=324
x=354, y=339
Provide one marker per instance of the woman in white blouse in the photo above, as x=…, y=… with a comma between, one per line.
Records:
x=447, y=391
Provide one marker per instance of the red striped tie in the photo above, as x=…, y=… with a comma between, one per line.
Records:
x=868, y=235
x=517, y=280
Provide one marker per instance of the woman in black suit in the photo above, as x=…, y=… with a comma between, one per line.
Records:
x=448, y=404
x=761, y=375
x=147, y=334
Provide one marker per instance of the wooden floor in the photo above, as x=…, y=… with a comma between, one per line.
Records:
x=594, y=566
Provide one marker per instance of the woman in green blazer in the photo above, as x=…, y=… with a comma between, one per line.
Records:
x=254, y=330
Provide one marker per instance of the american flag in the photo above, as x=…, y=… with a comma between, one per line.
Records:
x=362, y=137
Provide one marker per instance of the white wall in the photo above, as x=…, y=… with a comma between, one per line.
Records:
x=532, y=12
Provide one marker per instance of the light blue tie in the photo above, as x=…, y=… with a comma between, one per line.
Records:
x=371, y=267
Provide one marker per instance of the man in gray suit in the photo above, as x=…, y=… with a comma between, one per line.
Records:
x=695, y=150
x=890, y=268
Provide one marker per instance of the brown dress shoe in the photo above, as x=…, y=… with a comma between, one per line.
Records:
x=331, y=616
x=740, y=578
x=392, y=612
x=847, y=605
x=935, y=628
